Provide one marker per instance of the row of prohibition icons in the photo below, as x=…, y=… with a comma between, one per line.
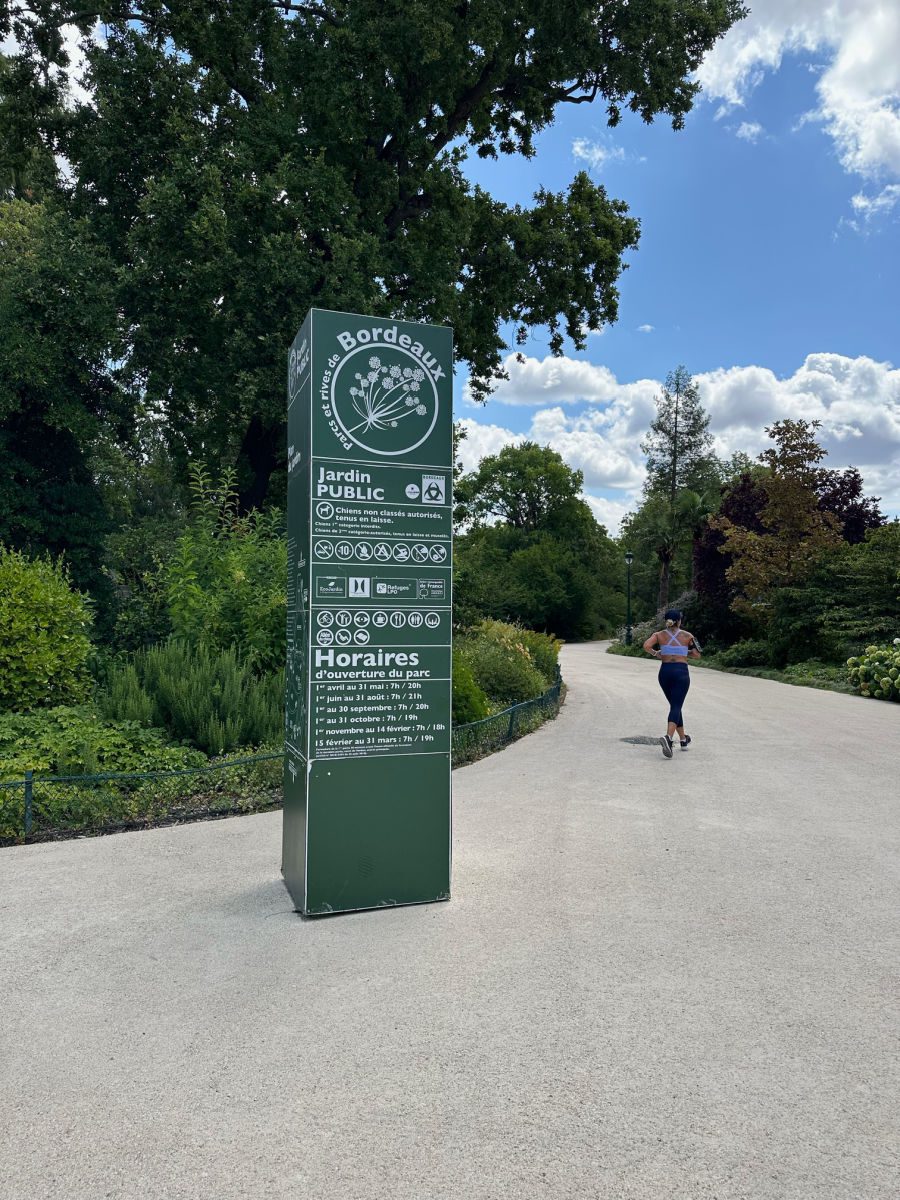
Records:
x=400, y=552
x=396, y=619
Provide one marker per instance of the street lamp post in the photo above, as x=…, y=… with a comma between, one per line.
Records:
x=629, y=559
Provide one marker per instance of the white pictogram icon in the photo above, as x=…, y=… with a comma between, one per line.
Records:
x=360, y=586
x=401, y=552
x=325, y=618
x=323, y=550
x=382, y=551
x=412, y=491
x=438, y=553
x=361, y=619
x=363, y=551
x=415, y=620
x=434, y=488
x=432, y=620
x=420, y=554
x=343, y=637
x=379, y=619
x=343, y=550
x=398, y=619
x=361, y=637
x=326, y=637
x=343, y=618
x=324, y=511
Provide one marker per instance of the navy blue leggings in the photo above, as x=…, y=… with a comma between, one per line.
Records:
x=675, y=679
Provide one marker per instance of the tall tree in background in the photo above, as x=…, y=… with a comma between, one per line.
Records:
x=796, y=531
x=240, y=160
x=679, y=460
x=531, y=550
x=678, y=445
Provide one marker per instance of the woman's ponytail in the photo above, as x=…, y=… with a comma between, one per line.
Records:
x=670, y=624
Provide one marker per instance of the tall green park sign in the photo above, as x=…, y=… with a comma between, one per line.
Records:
x=368, y=687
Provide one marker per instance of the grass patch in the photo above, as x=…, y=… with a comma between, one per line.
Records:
x=814, y=674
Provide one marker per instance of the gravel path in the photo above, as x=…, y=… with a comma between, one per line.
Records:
x=655, y=979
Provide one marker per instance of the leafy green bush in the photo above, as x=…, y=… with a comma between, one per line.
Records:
x=211, y=698
x=543, y=648
x=44, y=645
x=469, y=701
x=78, y=741
x=501, y=663
x=746, y=653
x=876, y=673
x=226, y=582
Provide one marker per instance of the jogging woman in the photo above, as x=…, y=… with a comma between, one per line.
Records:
x=673, y=646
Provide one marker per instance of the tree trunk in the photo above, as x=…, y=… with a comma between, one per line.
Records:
x=262, y=452
x=663, y=598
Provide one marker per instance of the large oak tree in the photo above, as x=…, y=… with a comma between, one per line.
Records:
x=241, y=160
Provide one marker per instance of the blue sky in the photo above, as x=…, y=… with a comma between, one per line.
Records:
x=768, y=261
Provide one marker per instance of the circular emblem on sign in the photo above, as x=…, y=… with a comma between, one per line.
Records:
x=384, y=401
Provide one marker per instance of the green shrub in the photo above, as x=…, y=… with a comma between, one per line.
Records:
x=226, y=582
x=876, y=672
x=210, y=698
x=469, y=701
x=747, y=653
x=502, y=665
x=44, y=645
x=543, y=648
x=78, y=741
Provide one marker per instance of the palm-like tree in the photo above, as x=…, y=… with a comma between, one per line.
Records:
x=666, y=529
x=660, y=535
x=692, y=510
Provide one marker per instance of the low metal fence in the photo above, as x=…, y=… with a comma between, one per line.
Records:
x=493, y=733
x=41, y=807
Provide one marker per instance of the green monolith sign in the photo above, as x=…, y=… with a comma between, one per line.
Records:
x=368, y=688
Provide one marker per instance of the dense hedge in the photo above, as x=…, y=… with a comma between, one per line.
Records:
x=44, y=644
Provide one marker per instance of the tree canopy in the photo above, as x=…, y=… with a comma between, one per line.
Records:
x=533, y=551
x=240, y=160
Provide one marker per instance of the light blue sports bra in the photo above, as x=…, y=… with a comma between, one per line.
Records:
x=673, y=646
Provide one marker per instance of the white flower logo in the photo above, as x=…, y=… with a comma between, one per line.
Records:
x=384, y=400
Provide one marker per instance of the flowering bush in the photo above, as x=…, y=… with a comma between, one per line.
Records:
x=501, y=663
x=876, y=673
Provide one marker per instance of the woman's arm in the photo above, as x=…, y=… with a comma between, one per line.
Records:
x=694, y=650
x=651, y=645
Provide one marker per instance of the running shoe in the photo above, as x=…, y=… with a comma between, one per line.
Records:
x=666, y=742
x=686, y=742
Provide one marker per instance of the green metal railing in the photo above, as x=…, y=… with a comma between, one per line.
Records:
x=39, y=807
x=493, y=733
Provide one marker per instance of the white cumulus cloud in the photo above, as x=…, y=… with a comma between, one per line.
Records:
x=749, y=131
x=858, y=90
x=596, y=154
x=597, y=422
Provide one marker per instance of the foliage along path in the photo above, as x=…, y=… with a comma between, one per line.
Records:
x=655, y=978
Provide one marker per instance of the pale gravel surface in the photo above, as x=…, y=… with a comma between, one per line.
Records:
x=655, y=979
